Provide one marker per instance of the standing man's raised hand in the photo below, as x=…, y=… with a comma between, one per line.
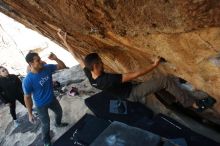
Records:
x=52, y=56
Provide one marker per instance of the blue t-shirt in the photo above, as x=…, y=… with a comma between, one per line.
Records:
x=40, y=85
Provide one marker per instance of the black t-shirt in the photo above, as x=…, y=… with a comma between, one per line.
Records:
x=11, y=87
x=111, y=83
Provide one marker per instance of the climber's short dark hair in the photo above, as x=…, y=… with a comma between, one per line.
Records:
x=90, y=60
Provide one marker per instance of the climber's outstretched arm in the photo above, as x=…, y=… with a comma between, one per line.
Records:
x=62, y=35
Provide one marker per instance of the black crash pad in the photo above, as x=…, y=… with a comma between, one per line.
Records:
x=87, y=129
x=171, y=129
x=120, y=134
x=84, y=132
x=99, y=105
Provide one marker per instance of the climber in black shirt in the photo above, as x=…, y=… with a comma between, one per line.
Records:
x=120, y=84
x=10, y=91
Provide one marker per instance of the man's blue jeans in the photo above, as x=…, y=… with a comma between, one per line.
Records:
x=45, y=119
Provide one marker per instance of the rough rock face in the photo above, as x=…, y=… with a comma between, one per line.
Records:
x=128, y=34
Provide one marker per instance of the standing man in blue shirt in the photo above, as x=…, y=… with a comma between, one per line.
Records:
x=38, y=83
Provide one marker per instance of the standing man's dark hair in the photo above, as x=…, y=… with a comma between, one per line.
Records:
x=30, y=57
x=90, y=60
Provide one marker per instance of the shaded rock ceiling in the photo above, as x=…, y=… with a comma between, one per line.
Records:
x=128, y=34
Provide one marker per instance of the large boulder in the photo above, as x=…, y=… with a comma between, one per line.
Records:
x=129, y=34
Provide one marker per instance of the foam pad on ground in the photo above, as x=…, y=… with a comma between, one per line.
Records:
x=84, y=132
x=99, y=105
x=120, y=134
x=171, y=129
